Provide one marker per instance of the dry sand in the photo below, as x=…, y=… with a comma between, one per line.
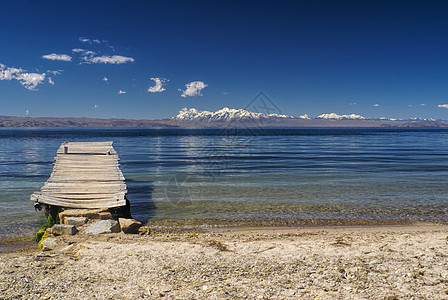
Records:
x=393, y=262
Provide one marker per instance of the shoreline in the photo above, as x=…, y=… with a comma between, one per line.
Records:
x=332, y=262
x=13, y=243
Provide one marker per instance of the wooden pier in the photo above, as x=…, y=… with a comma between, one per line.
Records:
x=85, y=175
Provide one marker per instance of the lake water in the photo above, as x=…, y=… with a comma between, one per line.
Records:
x=246, y=174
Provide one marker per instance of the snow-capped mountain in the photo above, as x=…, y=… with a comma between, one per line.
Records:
x=340, y=117
x=305, y=117
x=241, y=115
x=225, y=115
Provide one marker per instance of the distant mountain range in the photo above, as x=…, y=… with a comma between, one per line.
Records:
x=7, y=121
x=242, y=116
x=224, y=117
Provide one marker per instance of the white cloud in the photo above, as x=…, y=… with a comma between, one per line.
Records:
x=96, y=106
x=27, y=112
x=411, y=105
x=120, y=92
x=353, y=103
x=158, y=86
x=29, y=80
x=193, y=89
x=54, y=56
x=54, y=72
x=443, y=105
x=9, y=73
x=225, y=93
x=376, y=105
x=88, y=53
x=105, y=79
x=50, y=81
x=423, y=104
x=114, y=59
x=90, y=41
x=83, y=52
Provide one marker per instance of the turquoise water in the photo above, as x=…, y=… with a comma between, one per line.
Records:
x=245, y=174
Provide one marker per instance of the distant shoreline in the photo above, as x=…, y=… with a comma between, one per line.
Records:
x=24, y=122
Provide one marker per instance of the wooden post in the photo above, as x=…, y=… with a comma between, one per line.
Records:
x=65, y=149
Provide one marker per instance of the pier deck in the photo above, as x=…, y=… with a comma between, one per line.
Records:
x=85, y=175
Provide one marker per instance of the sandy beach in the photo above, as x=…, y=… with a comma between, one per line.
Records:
x=382, y=262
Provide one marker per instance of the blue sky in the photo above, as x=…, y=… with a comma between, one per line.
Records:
x=373, y=58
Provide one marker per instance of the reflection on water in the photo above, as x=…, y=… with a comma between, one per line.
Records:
x=249, y=174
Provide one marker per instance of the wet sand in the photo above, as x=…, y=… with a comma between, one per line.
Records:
x=374, y=262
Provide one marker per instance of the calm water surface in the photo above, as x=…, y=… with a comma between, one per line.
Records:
x=245, y=174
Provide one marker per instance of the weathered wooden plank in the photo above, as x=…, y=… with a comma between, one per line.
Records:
x=86, y=171
x=81, y=164
x=83, y=204
x=82, y=181
x=76, y=148
x=86, y=196
x=86, y=162
x=43, y=196
x=85, y=155
x=80, y=190
x=110, y=168
x=65, y=199
x=86, y=184
x=87, y=144
x=92, y=170
x=69, y=164
x=86, y=150
x=102, y=158
x=80, y=161
x=91, y=177
x=76, y=173
x=105, y=204
x=83, y=192
x=109, y=143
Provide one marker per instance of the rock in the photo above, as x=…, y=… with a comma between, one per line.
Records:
x=91, y=214
x=49, y=243
x=129, y=225
x=103, y=216
x=143, y=230
x=77, y=221
x=62, y=229
x=67, y=249
x=103, y=226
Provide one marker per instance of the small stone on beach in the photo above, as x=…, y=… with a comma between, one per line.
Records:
x=77, y=221
x=103, y=226
x=62, y=229
x=49, y=243
x=129, y=225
